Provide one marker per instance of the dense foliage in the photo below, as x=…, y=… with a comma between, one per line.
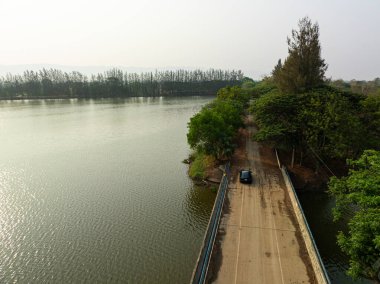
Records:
x=324, y=122
x=276, y=116
x=53, y=83
x=213, y=130
x=361, y=188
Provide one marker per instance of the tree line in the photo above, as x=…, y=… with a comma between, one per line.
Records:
x=54, y=83
x=368, y=88
x=300, y=111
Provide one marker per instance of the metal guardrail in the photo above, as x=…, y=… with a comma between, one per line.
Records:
x=201, y=268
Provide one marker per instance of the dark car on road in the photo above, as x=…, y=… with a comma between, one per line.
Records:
x=245, y=176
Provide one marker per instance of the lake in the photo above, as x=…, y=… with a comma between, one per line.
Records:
x=95, y=191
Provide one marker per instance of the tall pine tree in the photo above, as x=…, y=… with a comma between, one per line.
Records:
x=304, y=68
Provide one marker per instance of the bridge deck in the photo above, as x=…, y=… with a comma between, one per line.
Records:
x=260, y=237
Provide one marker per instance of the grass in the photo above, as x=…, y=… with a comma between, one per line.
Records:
x=199, y=165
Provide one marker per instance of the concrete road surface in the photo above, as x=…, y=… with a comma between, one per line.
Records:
x=259, y=236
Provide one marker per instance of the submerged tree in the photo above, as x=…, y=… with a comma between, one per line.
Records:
x=304, y=68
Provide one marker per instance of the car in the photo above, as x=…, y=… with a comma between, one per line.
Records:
x=245, y=176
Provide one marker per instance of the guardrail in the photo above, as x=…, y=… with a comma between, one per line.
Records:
x=201, y=268
x=316, y=260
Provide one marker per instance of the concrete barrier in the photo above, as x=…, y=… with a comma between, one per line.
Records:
x=316, y=261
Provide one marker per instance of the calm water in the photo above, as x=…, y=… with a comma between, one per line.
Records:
x=317, y=208
x=95, y=191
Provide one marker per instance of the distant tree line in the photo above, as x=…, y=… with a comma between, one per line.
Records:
x=54, y=83
x=368, y=88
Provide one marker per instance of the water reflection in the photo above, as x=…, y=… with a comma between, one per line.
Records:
x=95, y=191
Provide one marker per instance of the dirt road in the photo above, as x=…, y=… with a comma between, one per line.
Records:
x=259, y=237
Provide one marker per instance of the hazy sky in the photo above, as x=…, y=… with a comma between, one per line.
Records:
x=242, y=34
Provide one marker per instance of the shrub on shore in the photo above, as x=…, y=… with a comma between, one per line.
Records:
x=200, y=164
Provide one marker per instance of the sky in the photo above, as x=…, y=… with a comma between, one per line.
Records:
x=249, y=35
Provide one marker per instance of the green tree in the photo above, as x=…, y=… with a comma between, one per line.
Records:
x=247, y=83
x=213, y=130
x=323, y=121
x=263, y=87
x=370, y=117
x=361, y=189
x=210, y=134
x=231, y=111
x=235, y=93
x=276, y=73
x=276, y=115
x=304, y=68
x=330, y=124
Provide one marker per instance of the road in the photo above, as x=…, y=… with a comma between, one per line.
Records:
x=259, y=237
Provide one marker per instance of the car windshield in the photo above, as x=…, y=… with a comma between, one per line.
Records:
x=245, y=174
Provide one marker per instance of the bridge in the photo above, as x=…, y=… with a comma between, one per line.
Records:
x=263, y=236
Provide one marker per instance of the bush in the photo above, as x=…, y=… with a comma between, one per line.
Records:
x=199, y=166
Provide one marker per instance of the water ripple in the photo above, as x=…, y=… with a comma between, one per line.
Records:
x=95, y=191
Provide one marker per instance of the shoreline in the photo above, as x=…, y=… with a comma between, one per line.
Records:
x=107, y=97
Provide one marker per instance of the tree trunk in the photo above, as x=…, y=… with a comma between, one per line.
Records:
x=293, y=157
x=317, y=167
